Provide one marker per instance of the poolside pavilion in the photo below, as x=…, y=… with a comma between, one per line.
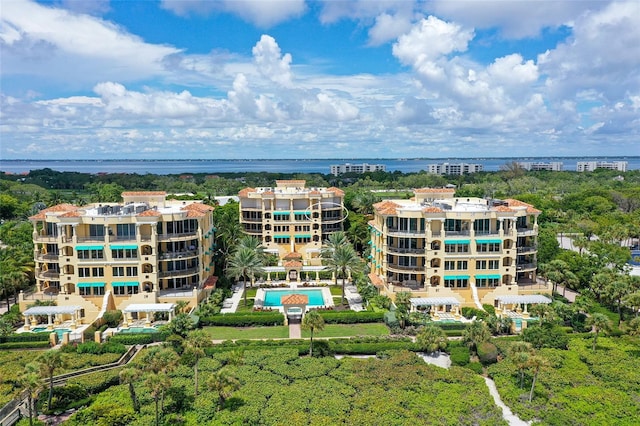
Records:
x=439, y=308
x=56, y=315
x=516, y=307
x=148, y=309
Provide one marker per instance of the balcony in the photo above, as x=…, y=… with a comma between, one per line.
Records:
x=91, y=239
x=47, y=257
x=404, y=232
x=527, y=249
x=526, y=232
x=404, y=268
x=178, y=273
x=48, y=275
x=45, y=238
x=418, y=251
x=252, y=219
x=526, y=267
x=176, y=236
x=178, y=255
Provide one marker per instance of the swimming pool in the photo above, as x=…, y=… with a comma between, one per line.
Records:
x=272, y=297
x=139, y=330
x=58, y=331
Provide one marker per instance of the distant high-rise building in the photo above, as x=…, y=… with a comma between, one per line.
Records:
x=454, y=168
x=553, y=166
x=589, y=166
x=338, y=169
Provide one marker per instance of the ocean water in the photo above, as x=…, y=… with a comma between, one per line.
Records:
x=167, y=167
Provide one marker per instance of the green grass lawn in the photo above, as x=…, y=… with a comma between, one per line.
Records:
x=348, y=330
x=229, y=333
x=336, y=290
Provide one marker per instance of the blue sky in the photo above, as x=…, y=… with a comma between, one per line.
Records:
x=190, y=79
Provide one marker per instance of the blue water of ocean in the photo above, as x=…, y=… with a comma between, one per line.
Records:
x=166, y=167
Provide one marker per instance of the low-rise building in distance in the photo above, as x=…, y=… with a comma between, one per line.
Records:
x=338, y=169
x=454, y=168
x=590, y=166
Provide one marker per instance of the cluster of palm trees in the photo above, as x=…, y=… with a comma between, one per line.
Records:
x=341, y=258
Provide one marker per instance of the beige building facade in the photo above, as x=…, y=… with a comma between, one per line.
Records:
x=146, y=250
x=291, y=218
x=471, y=250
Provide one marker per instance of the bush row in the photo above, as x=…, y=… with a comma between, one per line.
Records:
x=351, y=317
x=24, y=345
x=249, y=319
x=138, y=338
x=25, y=337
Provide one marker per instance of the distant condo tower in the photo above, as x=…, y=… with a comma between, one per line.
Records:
x=338, y=169
x=454, y=168
x=590, y=166
x=554, y=166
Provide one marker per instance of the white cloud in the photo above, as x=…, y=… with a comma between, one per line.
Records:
x=270, y=62
x=262, y=13
x=388, y=27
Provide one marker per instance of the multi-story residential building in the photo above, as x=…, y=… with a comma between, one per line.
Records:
x=454, y=168
x=467, y=250
x=553, y=166
x=338, y=169
x=146, y=250
x=590, y=166
x=291, y=219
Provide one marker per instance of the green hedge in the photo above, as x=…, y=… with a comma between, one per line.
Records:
x=138, y=338
x=487, y=353
x=24, y=345
x=242, y=319
x=460, y=355
x=351, y=317
x=25, y=337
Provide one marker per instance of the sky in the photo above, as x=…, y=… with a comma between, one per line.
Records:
x=251, y=79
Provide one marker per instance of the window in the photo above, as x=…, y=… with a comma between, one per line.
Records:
x=118, y=271
x=482, y=226
x=124, y=253
x=126, y=290
x=303, y=239
x=282, y=240
x=84, y=272
x=407, y=261
x=488, y=247
x=91, y=254
x=487, y=282
x=302, y=228
x=456, y=248
x=449, y=265
x=301, y=216
x=96, y=230
x=98, y=291
x=462, y=264
x=456, y=282
x=281, y=228
x=97, y=272
x=85, y=291
x=126, y=230
x=132, y=271
x=481, y=264
x=494, y=264
x=281, y=217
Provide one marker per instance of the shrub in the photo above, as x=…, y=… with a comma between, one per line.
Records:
x=476, y=367
x=460, y=355
x=489, y=309
x=112, y=318
x=244, y=319
x=24, y=345
x=138, y=338
x=487, y=353
x=469, y=313
x=545, y=337
x=25, y=337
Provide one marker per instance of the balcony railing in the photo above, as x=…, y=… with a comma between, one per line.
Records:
x=398, y=250
x=178, y=254
x=526, y=266
x=48, y=275
x=526, y=231
x=93, y=238
x=47, y=257
x=406, y=267
x=163, y=237
x=252, y=219
x=457, y=233
x=180, y=272
x=526, y=249
x=393, y=230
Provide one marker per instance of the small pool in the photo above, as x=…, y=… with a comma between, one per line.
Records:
x=139, y=330
x=272, y=297
x=58, y=331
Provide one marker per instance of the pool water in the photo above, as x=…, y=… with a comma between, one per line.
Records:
x=139, y=330
x=272, y=297
x=58, y=331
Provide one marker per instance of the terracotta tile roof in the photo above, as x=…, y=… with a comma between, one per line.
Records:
x=427, y=190
x=58, y=208
x=293, y=255
x=142, y=193
x=195, y=213
x=517, y=203
x=245, y=192
x=315, y=192
x=293, y=264
x=294, y=299
x=339, y=192
x=198, y=207
x=502, y=209
x=376, y=280
x=75, y=213
x=210, y=282
x=150, y=213
x=432, y=210
x=386, y=207
x=291, y=182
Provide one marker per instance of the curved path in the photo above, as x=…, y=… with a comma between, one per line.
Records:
x=507, y=414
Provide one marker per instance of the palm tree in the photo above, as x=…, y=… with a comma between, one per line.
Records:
x=403, y=304
x=431, y=338
x=363, y=202
x=129, y=376
x=342, y=260
x=536, y=363
x=30, y=381
x=245, y=263
x=475, y=333
x=50, y=361
x=599, y=323
x=632, y=301
x=224, y=384
x=196, y=343
x=157, y=384
x=312, y=321
x=519, y=353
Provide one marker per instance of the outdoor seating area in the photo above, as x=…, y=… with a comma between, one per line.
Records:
x=439, y=308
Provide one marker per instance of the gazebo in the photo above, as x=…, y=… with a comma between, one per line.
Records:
x=54, y=316
x=147, y=309
x=516, y=308
x=294, y=306
x=439, y=307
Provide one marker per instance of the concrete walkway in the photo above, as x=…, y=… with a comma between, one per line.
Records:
x=295, y=331
x=507, y=414
x=230, y=305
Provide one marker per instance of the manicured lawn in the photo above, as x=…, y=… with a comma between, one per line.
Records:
x=336, y=290
x=229, y=333
x=348, y=330
x=251, y=292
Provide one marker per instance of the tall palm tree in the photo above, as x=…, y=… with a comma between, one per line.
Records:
x=431, y=338
x=31, y=383
x=245, y=263
x=196, y=343
x=50, y=361
x=129, y=376
x=475, y=333
x=599, y=323
x=536, y=363
x=158, y=384
x=519, y=353
x=224, y=384
x=312, y=321
x=343, y=260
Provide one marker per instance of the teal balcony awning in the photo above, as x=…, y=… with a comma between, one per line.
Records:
x=125, y=284
x=88, y=285
x=282, y=213
x=457, y=241
x=456, y=277
x=281, y=236
x=123, y=247
x=301, y=212
x=303, y=235
x=490, y=241
x=89, y=247
x=491, y=276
